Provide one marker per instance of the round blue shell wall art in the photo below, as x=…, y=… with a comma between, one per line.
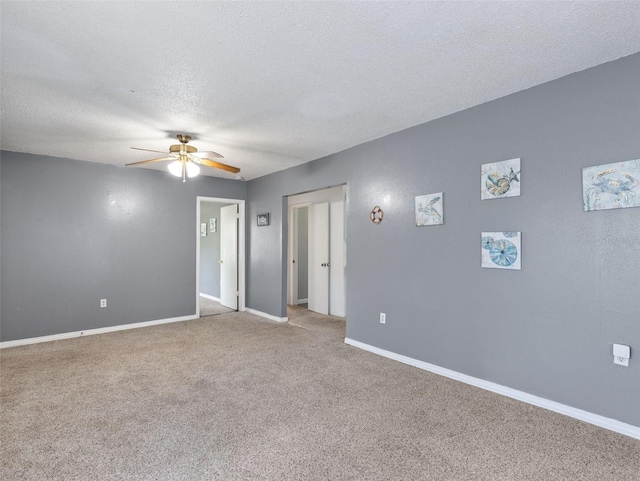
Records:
x=501, y=250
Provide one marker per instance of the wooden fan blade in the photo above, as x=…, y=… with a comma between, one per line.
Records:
x=149, y=150
x=151, y=160
x=218, y=165
x=209, y=152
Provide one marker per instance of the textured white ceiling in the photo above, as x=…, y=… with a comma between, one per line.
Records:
x=275, y=84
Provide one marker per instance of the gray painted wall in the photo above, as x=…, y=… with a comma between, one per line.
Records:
x=546, y=330
x=75, y=232
x=303, y=253
x=210, y=251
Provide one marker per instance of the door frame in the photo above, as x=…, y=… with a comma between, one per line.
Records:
x=241, y=248
x=291, y=291
x=304, y=199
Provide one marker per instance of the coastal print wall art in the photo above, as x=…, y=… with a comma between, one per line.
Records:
x=611, y=186
x=500, y=179
x=501, y=250
x=429, y=209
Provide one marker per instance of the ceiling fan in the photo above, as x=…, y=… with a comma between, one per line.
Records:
x=185, y=161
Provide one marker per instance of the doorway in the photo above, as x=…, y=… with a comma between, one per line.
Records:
x=220, y=283
x=300, y=258
x=317, y=252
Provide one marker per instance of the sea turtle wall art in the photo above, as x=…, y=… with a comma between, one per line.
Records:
x=611, y=186
x=429, y=209
x=500, y=179
x=501, y=250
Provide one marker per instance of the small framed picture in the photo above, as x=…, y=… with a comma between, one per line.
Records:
x=429, y=209
x=263, y=219
x=203, y=229
x=502, y=250
x=500, y=179
x=213, y=224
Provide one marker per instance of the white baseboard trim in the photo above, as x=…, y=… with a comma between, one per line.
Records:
x=90, y=332
x=303, y=301
x=586, y=416
x=207, y=296
x=265, y=315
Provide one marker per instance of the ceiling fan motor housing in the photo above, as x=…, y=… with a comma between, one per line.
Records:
x=182, y=148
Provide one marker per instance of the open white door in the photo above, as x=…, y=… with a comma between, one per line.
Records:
x=319, y=258
x=229, y=256
x=336, y=271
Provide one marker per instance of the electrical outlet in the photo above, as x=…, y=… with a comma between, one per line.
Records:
x=103, y=303
x=622, y=361
x=621, y=354
x=383, y=318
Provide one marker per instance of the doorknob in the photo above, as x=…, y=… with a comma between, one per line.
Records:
x=328, y=264
x=220, y=261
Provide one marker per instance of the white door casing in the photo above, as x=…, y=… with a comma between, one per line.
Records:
x=229, y=256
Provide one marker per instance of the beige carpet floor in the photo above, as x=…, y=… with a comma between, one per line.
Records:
x=209, y=307
x=302, y=317
x=236, y=397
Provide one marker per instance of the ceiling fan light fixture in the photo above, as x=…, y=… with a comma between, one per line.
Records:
x=175, y=168
x=185, y=163
x=192, y=169
x=183, y=168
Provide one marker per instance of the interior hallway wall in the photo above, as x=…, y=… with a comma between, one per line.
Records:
x=76, y=232
x=303, y=253
x=210, y=251
x=547, y=329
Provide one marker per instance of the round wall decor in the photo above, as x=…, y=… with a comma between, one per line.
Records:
x=376, y=215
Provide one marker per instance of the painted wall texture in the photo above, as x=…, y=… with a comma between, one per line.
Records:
x=76, y=232
x=547, y=329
